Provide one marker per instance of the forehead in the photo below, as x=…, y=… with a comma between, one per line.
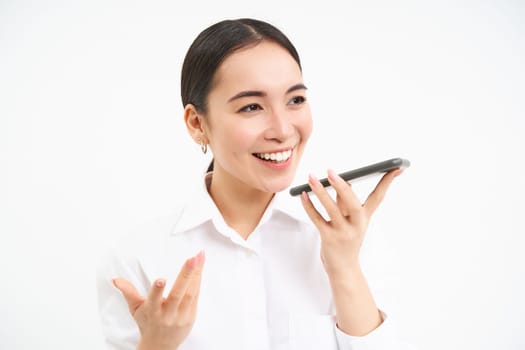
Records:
x=264, y=66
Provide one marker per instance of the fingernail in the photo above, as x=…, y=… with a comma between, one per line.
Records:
x=399, y=172
x=115, y=283
x=304, y=196
x=200, y=257
x=160, y=283
x=312, y=180
x=190, y=263
x=332, y=175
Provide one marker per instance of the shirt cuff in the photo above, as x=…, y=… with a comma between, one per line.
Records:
x=383, y=337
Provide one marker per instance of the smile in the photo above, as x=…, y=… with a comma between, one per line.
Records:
x=277, y=157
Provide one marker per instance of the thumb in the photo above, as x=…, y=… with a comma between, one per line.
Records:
x=133, y=298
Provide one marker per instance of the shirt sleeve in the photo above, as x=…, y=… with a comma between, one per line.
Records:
x=383, y=337
x=119, y=329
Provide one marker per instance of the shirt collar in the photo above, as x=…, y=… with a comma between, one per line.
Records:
x=201, y=209
x=289, y=205
x=198, y=210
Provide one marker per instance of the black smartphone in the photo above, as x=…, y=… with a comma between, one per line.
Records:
x=366, y=171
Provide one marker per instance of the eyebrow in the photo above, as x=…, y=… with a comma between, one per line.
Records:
x=255, y=93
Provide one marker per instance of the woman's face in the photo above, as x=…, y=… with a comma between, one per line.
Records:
x=258, y=119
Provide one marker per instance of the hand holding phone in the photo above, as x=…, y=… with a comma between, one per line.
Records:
x=360, y=173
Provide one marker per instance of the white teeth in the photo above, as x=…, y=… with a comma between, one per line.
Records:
x=276, y=157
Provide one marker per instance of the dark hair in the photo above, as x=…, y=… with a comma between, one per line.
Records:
x=213, y=45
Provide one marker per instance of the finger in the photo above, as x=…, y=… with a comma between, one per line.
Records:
x=155, y=293
x=328, y=203
x=341, y=206
x=188, y=304
x=181, y=284
x=378, y=194
x=133, y=298
x=312, y=213
x=350, y=203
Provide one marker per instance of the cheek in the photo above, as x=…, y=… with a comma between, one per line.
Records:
x=239, y=137
x=305, y=127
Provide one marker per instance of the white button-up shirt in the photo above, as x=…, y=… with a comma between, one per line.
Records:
x=267, y=292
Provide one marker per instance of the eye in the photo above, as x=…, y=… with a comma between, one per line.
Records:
x=297, y=100
x=250, y=108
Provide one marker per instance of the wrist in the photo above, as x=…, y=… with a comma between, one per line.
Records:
x=349, y=276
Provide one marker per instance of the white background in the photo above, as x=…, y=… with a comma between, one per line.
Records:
x=92, y=143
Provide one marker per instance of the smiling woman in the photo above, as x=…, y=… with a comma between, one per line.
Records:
x=268, y=115
x=264, y=285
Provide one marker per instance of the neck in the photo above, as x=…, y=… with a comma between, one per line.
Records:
x=241, y=206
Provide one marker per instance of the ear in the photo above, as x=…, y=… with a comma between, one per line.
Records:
x=196, y=124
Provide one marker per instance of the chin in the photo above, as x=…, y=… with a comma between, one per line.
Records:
x=278, y=186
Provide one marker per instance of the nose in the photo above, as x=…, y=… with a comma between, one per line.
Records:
x=280, y=126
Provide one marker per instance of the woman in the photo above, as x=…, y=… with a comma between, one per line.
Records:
x=263, y=285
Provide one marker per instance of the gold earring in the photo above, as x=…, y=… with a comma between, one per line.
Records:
x=204, y=146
